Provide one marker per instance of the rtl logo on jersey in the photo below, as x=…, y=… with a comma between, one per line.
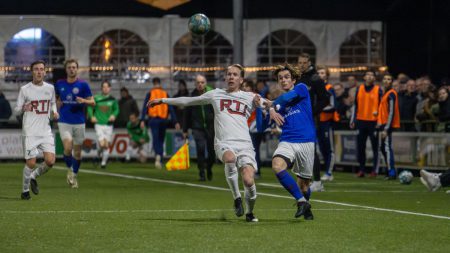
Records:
x=40, y=106
x=233, y=107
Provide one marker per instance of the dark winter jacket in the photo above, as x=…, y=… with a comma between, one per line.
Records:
x=200, y=117
x=320, y=98
x=5, y=108
x=126, y=107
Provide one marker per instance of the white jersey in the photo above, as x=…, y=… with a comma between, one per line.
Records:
x=231, y=111
x=42, y=100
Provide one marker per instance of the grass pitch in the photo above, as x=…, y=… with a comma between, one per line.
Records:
x=137, y=208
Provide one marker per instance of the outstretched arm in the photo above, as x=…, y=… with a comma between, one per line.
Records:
x=182, y=101
x=286, y=98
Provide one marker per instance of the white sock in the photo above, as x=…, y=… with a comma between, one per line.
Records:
x=302, y=200
x=250, y=197
x=105, y=156
x=129, y=151
x=39, y=171
x=231, y=175
x=26, y=179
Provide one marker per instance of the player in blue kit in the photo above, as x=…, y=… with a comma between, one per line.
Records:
x=73, y=94
x=292, y=111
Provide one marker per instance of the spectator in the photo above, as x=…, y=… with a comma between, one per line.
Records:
x=5, y=110
x=412, y=84
x=258, y=122
x=402, y=85
x=424, y=114
x=408, y=103
x=352, y=83
x=261, y=88
x=396, y=85
x=274, y=91
x=158, y=119
x=127, y=106
x=343, y=106
x=402, y=78
x=445, y=82
x=423, y=85
x=443, y=110
x=138, y=137
x=200, y=119
x=182, y=92
x=364, y=118
x=182, y=89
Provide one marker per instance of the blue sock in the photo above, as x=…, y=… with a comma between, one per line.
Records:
x=76, y=165
x=308, y=194
x=289, y=184
x=392, y=173
x=68, y=160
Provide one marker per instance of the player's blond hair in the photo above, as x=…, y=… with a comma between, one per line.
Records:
x=240, y=67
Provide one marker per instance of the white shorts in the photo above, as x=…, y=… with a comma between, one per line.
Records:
x=33, y=144
x=244, y=155
x=73, y=132
x=301, y=156
x=104, y=132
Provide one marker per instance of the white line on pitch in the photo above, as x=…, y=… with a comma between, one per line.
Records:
x=341, y=191
x=259, y=193
x=168, y=211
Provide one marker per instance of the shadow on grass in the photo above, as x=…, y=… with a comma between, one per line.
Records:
x=9, y=198
x=231, y=221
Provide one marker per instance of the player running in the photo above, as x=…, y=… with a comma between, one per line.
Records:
x=36, y=102
x=297, y=139
x=232, y=141
x=73, y=95
x=103, y=115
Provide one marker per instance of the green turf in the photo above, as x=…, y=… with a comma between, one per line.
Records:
x=113, y=214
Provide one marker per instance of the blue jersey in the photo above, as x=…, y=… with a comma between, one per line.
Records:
x=72, y=112
x=295, y=107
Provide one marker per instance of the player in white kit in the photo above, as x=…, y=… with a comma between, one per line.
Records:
x=37, y=103
x=232, y=141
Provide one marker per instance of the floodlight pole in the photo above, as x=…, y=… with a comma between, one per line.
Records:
x=238, y=31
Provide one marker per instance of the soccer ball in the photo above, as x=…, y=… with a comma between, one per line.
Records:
x=405, y=177
x=199, y=24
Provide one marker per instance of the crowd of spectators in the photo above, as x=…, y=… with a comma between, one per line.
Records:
x=424, y=106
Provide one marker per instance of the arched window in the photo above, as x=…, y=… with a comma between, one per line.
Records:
x=30, y=45
x=362, y=48
x=283, y=46
x=210, y=50
x=118, y=49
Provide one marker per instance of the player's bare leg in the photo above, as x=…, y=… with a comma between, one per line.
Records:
x=231, y=175
x=248, y=179
x=49, y=161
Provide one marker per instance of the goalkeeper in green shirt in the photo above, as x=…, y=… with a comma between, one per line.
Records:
x=138, y=137
x=103, y=116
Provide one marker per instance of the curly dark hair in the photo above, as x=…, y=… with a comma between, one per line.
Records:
x=295, y=73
